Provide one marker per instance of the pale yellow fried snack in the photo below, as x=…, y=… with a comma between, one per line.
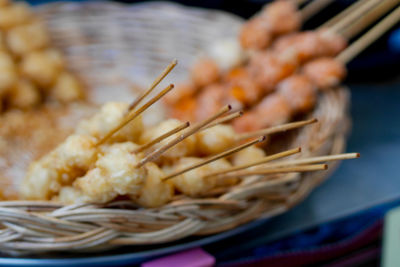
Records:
x=115, y=173
x=247, y=155
x=185, y=148
x=216, y=139
x=14, y=14
x=69, y=160
x=111, y=115
x=67, y=88
x=27, y=38
x=8, y=73
x=194, y=183
x=42, y=67
x=154, y=192
x=24, y=95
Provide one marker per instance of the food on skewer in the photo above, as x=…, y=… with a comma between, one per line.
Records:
x=325, y=72
x=277, y=18
x=31, y=71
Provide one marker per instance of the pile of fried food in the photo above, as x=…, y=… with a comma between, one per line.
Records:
x=31, y=70
x=103, y=161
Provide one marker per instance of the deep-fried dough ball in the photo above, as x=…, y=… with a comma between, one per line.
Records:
x=67, y=88
x=14, y=15
x=24, y=95
x=154, y=192
x=8, y=73
x=205, y=72
x=42, y=67
x=27, y=38
x=111, y=114
x=299, y=92
x=215, y=139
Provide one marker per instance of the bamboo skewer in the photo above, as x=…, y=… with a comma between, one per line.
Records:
x=131, y=116
x=354, y=15
x=257, y=162
x=314, y=7
x=277, y=129
x=364, y=21
x=166, y=71
x=215, y=157
x=195, y=128
x=225, y=119
x=162, y=137
x=313, y=160
x=302, y=168
x=342, y=14
x=363, y=42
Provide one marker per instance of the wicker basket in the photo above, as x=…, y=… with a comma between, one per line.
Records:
x=112, y=46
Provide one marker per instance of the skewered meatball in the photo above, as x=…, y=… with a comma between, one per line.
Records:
x=247, y=155
x=247, y=123
x=184, y=110
x=255, y=34
x=325, y=72
x=42, y=67
x=299, y=92
x=24, y=95
x=14, y=15
x=181, y=91
x=282, y=17
x=242, y=86
x=205, y=72
x=268, y=68
x=27, y=38
x=67, y=88
x=332, y=42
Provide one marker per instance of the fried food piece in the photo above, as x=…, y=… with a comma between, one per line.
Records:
x=111, y=114
x=14, y=15
x=183, y=149
x=205, y=72
x=193, y=183
x=69, y=160
x=282, y=17
x=255, y=34
x=272, y=110
x=154, y=192
x=325, y=72
x=24, y=95
x=42, y=67
x=215, y=139
x=115, y=173
x=270, y=68
x=242, y=86
x=181, y=91
x=67, y=88
x=299, y=92
x=27, y=38
x=247, y=155
x=8, y=73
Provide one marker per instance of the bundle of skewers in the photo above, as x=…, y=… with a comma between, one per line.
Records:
x=117, y=181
